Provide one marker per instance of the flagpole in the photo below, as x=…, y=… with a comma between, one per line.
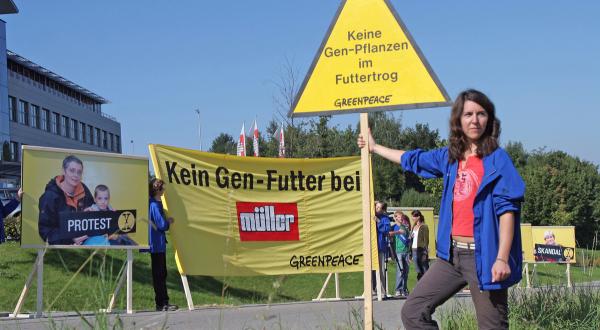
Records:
x=199, y=128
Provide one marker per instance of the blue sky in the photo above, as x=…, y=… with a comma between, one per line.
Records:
x=157, y=61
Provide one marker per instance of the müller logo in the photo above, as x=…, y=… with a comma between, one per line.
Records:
x=268, y=221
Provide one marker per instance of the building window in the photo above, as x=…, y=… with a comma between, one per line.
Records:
x=73, y=129
x=64, y=126
x=104, y=140
x=98, y=138
x=22, y=110
x=44, y=119
x=81, y=132
x=111, y=142
x=34, y=115
x=90, y=132
x=118, y=143
x=14, y=151
x=12, y=108
x=54, y=123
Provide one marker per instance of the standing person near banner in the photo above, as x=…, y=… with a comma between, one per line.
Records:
x=402, y=248
x=7, y=209
x=383, y=228
x=478, y=241
x=420, y=244
x=159, y=225
x=64, y=193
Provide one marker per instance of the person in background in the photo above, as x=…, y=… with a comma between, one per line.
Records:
x=158, y=226
x=7, y=209
x=383, y=228
x=401, y=230
x=478, y=235
x=420, y=244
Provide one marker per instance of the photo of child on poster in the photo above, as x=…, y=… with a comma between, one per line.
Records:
x=69, y=213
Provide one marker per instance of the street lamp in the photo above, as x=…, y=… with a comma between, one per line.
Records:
x=199, y=128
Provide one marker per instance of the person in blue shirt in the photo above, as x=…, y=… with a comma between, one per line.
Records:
x=478, y=235
x=7, y=209
x=382, y=221
x=158, y=226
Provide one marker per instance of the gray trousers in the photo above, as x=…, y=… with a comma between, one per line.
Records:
x=442, y=281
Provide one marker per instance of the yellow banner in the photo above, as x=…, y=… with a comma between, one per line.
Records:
x=527, y=243
x=84, y=199
x=242, y=216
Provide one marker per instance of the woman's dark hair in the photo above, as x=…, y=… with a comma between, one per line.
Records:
x=405, y=218
x=155, y=186
x=70, y=159
x=418, y=214
x=458, y=140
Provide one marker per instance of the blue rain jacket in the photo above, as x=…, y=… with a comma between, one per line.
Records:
x=157, y=227
x=500, y=191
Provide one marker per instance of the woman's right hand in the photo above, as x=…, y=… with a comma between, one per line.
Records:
x=361, y=141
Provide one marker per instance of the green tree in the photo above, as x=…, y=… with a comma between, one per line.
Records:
x=562, y=190
x=421, y=136
x=388, y=179
x=224, y=144
x=517, y=153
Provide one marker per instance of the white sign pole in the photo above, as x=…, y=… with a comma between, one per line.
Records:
x=129, y=281
x=40, y=283
x=188, y=294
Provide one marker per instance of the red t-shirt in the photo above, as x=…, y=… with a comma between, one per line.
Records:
x=466, y=185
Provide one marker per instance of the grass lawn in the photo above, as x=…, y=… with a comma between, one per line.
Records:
x=91, y=288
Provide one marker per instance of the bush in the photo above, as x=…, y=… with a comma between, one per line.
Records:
x=12, y=226
x=414, y=198
x=544, y=308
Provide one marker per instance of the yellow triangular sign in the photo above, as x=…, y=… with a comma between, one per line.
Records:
x=367, y=62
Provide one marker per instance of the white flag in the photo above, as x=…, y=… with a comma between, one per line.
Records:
x=241, y=146
x=281, y=143
x=255, y=139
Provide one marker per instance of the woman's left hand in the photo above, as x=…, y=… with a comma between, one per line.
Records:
x=500, y=271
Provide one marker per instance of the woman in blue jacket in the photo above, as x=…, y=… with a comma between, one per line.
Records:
x=159, y=224
x=478, y=239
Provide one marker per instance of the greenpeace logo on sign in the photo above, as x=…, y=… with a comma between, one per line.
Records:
x=268, y=221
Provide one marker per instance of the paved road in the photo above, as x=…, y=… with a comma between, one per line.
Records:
x=345, y=314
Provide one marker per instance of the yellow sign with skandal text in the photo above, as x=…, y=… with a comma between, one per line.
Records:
x=368, y=61
x=242, y=216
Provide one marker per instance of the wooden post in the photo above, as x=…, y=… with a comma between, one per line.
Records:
x=527, y=275
x=569, y=285
x=129, y=281
x=40, y=282
x=325, y=286
x=366, y=212
x=26, y=287
x=337, y=286
x=113, y=298
x=186, y=290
